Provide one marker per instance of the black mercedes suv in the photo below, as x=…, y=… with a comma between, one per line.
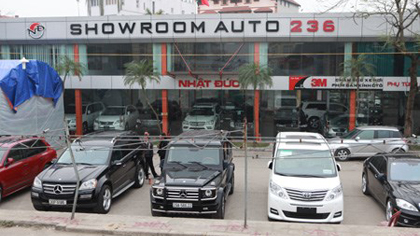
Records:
x=108, y=163
x=197, y=175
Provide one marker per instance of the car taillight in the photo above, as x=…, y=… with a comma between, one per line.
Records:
x=405, y=140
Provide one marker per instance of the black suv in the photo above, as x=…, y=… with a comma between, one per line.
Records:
x=108, y=164
x=197, y=175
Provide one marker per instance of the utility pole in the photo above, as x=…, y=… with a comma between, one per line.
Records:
x=246, y=172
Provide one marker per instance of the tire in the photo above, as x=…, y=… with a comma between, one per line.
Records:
x=232, y=188
x=313, y=123
x=398, y=150
x=40, y=208
x=270, y=219
x=85, y=128
x=389, y=210
x=156, y=214
x=365, y=187
x=221, y=211
x=139, y=178
x=342, y=154
x=104, y=200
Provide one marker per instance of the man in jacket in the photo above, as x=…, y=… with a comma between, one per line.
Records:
x=162, y=149
x=148, y=155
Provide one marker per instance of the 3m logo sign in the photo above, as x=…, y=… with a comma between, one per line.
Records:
x=315, y=83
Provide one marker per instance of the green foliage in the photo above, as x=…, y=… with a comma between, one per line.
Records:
x=357, y=68
x=255, y=76
x=149, y=12
x=66, y=66
x=139, y=72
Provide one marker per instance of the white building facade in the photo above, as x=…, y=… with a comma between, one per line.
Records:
x=140, y=7
x=249, y=6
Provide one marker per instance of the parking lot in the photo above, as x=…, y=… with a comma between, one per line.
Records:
x=358, y=209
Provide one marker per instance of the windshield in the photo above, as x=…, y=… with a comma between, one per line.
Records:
x=305, y=163
x=201, y=112
x=71, y=109
x=405, y=171
x=2, y=151
x=91, y=156
x=351, y=134
x=114, y=111
x=187, y=155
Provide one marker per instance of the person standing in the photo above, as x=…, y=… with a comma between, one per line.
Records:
x=148, y=155
x=162, y=149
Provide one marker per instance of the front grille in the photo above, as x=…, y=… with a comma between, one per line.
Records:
x=306, y=196
x=106, y=123
x=197, y=123
x=176, y=193
x=316, y=216
x=59, y=189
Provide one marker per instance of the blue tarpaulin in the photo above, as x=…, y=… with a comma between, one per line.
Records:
x=38, y=79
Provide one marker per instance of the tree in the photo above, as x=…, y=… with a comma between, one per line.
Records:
x=255, y=76
x=400, y=16
x=356, y=69
x=67, y=66
x=149, y=12
x=140, y=72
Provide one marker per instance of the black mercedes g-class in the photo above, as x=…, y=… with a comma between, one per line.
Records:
x=108, y=163
x=197, y=175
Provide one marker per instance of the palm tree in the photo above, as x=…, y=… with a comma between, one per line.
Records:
x=149, y=12
x=255, y=76
x=140, y=72
x=67, y=66
x=357, y=68
x=89, y=7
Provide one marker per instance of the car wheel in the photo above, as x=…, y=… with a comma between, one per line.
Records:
x=139, y=178
x=155, y=213
x=232, y=188
x=221, y=211
x=398, y=150
x=342, y=154
x=313, y=122
x=85, y=128
x=40, y=208
x=104, y=200
x=270, y=219
x=389, y=210
x=365, y=188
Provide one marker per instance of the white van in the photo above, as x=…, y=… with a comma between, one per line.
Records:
x=304, y=184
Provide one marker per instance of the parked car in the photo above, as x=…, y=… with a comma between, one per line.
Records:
x=21, y=159
x=108, y=163
x=336, y=124
x=393, y=181
x=304, y=184
x=147, y=122
x=174, y=109
x=90, y=112
x=197, y=176
x=313, y=111
x=367, y=141
x=117, y=118
x=202, y=116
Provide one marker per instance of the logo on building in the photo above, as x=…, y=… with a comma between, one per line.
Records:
x=36, y=30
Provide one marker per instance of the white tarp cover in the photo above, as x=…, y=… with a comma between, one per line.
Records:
x=34, y=116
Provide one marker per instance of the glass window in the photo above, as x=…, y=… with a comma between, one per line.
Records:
x=16, y=152
x=114, y=111
x=366, y=134
x=379, y=163
x=384, y=134
x=188, y=155
x=90, y=156
x=396, y=134
x=34, y=147
x=405, y=171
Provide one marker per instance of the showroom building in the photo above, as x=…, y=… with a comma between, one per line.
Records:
x=198, y=56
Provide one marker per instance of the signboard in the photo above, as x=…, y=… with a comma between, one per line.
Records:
x=331, y=82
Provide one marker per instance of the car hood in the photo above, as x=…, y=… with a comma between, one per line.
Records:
x=70, y=117
x=109, y=118
x=65, y=173
x=199, y=118
x=306, y=184
x=407, y=191
x=187, y=177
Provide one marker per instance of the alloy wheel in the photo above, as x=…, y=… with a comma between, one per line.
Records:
x=364, y=183
x=107, y=199
x=342, y=154
x=389, y=210
x=140, y=176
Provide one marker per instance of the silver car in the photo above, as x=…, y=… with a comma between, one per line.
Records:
x=367, y=141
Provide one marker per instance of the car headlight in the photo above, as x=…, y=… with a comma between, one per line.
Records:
x=405, y=205
x=158, y=191
x=334, y=193
x=185, y=122
x=277, y=190
x=37, y=183
x=210, y=122
x=208, y=193
x=117, y=122
x=88, y=185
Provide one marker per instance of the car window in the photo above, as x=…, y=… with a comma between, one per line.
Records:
x=16, y=152
x=117, y=155
x=396, y=134
x=90, y=155
x=186, y=155
x=34, y=147
x=366, y=134
x=383, y=134
x=408, y=170
x=379, y=163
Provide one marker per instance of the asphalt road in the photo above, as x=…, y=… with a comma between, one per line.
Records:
x=358, y=209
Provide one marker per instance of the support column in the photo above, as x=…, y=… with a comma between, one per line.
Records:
x=348, y=50
x=165, y=123
x=78, y=98
x=257, y=96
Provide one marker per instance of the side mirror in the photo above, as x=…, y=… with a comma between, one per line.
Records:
x=88, y=112
x=53, y=161
x=128, y=112
x=357, y=138
x=381, y=177
x=338, y=167
x=225, y=164
x=10, y=161
x=270, y=165
x=117, y=163
x=414, y=136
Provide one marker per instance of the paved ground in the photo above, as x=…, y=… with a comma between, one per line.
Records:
x=359, y=209
x=41, y=231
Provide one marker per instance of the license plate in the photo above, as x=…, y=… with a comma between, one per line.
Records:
x=58, y=202
x=182, y=205
x=306, y=210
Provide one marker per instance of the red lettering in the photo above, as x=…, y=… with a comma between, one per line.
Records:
x=200, y=83
x=207, y=82
x=235, y=84
x=406, y=84
x=296, y=26
x=218, y=83
x=319, y=82
x=314, y=26
x=329, y=26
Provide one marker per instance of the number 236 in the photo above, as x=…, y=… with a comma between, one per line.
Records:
x=313, y=26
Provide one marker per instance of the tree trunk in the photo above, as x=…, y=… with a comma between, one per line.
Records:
x=153, y=110
x=408, y=123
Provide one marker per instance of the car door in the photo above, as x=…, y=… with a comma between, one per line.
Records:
x=364, y=145
x=117, y=171
x=375, y=186
x=383, y=138
x=15, y=173
x=35, y=157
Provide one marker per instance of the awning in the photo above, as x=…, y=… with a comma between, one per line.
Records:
x=263, y=10
x=236, y=10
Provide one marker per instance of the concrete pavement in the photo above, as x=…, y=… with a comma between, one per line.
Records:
x=135, y=225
